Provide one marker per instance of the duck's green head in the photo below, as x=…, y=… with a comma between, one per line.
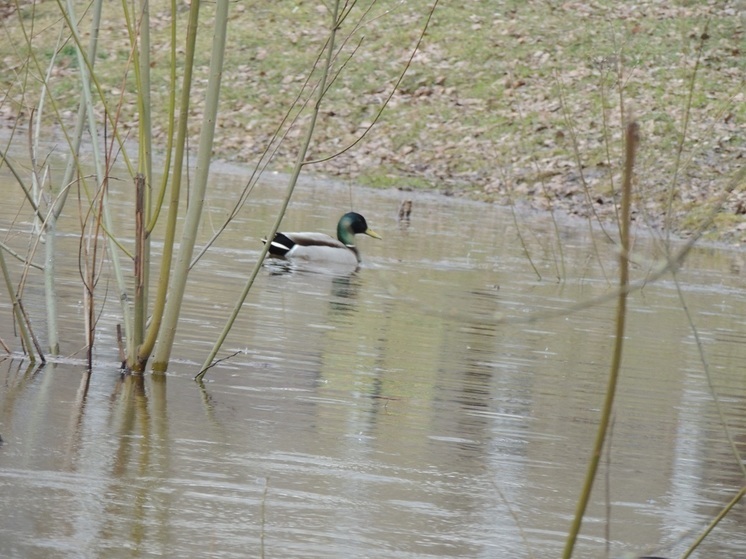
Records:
x=351, y=224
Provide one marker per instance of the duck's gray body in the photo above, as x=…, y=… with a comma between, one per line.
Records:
x=313, y=247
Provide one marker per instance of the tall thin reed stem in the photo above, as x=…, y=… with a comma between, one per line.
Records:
x=320, y=91
x=632, y=139
x=715, y=522
x=17, y=310
x=178, y=280
x=145, y=349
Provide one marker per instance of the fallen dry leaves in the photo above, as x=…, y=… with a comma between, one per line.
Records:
x=504, y=101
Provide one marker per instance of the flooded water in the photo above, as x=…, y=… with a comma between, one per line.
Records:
x=434, y=404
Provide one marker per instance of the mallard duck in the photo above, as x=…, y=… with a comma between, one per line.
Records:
x=320, y=247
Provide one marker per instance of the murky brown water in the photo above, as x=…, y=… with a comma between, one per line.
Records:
x=389, y=414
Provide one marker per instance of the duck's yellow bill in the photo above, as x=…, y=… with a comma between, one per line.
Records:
x=373, y=234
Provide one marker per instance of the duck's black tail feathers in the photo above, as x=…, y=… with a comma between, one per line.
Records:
x=280, y=245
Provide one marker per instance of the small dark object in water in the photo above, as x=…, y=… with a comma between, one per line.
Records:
x=1, y=439
x=405, y=209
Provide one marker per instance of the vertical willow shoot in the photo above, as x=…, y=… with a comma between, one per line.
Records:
x=178, y=279
x=631, y=141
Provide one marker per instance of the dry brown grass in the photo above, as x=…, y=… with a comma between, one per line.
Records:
x=519, y=98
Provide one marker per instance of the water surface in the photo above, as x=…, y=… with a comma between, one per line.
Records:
x=434, y=404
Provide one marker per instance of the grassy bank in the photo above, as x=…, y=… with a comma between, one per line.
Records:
x=504, y=101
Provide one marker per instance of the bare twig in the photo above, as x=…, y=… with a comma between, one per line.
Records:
x=684, y=132
x=321, y=90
